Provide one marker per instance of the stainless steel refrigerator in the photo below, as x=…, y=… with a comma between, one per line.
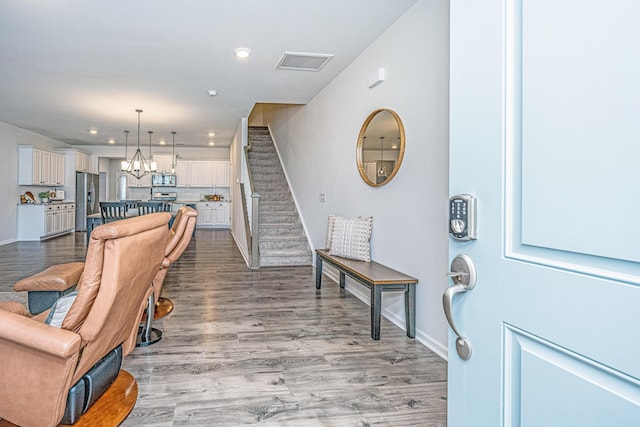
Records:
x=87, y=196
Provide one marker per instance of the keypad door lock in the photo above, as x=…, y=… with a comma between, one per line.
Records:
x=462, y=217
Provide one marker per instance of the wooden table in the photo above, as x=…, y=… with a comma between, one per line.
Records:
x=378, y=278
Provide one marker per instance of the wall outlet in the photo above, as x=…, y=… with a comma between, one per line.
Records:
x=323, y=197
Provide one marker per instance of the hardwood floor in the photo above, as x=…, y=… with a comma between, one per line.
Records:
x=263, y=347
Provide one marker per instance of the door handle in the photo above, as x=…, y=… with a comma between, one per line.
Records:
x=463, y=274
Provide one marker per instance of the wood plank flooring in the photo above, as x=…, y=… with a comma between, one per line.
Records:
x=265, y=347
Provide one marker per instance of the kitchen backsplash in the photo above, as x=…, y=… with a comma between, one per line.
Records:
x=183, y=194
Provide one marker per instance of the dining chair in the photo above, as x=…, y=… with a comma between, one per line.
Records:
x=131, y=204
x=113, y=211
x=151, y=206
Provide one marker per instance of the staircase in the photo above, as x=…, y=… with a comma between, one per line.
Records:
x=282, y=241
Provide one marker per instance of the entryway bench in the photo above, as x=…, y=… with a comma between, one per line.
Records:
x=378, y=278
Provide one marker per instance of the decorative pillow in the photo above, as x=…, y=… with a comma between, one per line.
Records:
x=60, y=309
x=351, y=238
x=330, y=221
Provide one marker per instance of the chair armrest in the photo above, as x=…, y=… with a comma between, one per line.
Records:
x=55, y=278
x=38, y=363
x=24, y=332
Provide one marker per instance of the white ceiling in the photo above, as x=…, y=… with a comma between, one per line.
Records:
x=68, y=66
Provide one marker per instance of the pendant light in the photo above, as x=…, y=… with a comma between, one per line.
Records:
x=151, y=166
x=138, y=166
x=173, y=153
x=125, y=164
x=382, y=171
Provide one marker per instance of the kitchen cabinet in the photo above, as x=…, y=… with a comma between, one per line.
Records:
x=57, y=165
x=205, y=215
x=40, y=167
x=163, y=163
x=213, y=214
x=221, y=173
x=189, y=173
x=221, y=215
x=207, y=177
x=202, y=173
x=83, y=162
x=43, y=221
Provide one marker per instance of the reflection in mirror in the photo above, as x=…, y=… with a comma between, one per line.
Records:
x=380, y=147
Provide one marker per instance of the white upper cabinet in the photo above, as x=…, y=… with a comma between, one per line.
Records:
x=83, y=161
x=163, y=163
x=206, y=173
x=199, y=173
x=221, y=173
x=40, y=167
x=57, y=169
x=188, y=173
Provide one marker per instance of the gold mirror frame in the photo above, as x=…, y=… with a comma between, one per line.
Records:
x=382, y=128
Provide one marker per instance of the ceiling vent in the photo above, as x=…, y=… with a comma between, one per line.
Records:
x=303, y=61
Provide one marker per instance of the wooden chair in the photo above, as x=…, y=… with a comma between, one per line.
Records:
x=131, y=204
x=113, y=211
x=148, y=207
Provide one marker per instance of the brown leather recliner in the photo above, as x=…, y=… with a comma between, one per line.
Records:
x=179, y=238
x=40, y=362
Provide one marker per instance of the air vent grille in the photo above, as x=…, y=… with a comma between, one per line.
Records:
x=303, y=61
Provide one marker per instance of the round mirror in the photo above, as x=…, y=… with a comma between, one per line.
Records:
x=380, y=147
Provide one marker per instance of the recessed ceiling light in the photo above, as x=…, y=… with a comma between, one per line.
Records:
x=211, y=134
x=162, y=142
x=112, y=141
x=242, y=52
x=212, y=92
x=212, y=143
x=93, y=131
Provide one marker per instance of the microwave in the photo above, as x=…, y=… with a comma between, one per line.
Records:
x=163, y=180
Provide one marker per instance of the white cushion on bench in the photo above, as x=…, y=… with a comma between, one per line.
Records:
x=350, y=237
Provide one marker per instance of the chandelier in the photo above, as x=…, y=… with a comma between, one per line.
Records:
x=138, y=166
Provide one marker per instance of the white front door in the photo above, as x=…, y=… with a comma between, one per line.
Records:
x=545, y=133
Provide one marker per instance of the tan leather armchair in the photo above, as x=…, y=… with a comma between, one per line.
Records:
x=40, y=362
x=179, y=238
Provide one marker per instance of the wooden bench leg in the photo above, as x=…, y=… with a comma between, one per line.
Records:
x=410, y=309
x=376, y=308
x=318, y=271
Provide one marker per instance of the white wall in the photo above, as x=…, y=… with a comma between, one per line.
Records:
x=317, y=143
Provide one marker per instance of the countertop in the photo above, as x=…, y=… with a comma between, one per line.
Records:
x=202, y=201
x=62, y=202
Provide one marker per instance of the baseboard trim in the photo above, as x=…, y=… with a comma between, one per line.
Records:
x=240, y=248
x=6, y=242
